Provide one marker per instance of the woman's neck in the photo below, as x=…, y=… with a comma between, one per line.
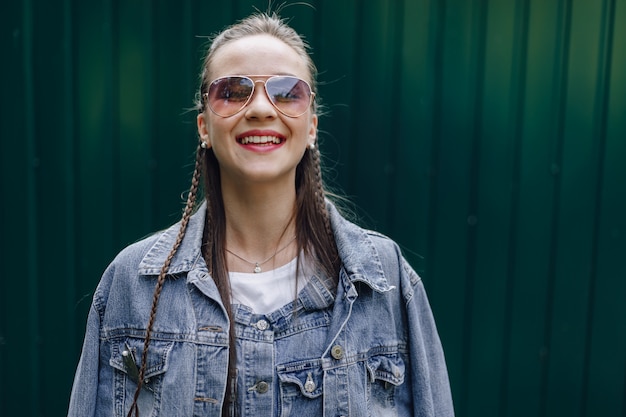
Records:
x=260, y=220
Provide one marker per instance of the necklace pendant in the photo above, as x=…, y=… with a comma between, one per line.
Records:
x=257, y=268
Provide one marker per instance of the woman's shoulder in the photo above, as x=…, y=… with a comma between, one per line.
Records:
x=348, y=232
x=127, y=263
x=133, y=253
x=370, y=253
x=382, y=241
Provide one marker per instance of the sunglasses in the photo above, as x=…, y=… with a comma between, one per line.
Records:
x=227, y=96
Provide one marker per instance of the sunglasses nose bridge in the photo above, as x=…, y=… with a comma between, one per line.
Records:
x=262, y=91
x=264, y=88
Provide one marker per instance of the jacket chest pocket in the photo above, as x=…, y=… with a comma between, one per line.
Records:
x=126, y=357
x=301, y=388
x=385, y=373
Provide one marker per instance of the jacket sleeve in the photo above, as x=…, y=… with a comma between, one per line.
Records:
x=429, y=375
x=83, y=397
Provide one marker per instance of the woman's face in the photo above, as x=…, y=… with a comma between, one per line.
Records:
x=283, y=139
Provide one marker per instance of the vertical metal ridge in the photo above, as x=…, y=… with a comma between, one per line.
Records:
x=396, y=80
x=32, y=269
x=111, y=24
x=71, y=171
x=623, y=411
x=151, y=76
x=518, y=79
x=559, y=96
x=438, y=16
x=188, y=48
x=352, y=179
x=477, y=65
x=600, y=116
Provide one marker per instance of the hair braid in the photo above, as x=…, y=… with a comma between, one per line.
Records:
x=314, y=231
x=319, y=191
x=189, y=207
x=214, y=237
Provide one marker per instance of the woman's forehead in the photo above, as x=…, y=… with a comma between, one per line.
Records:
x=258, y=54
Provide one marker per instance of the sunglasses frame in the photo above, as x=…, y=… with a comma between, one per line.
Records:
x=255, y=79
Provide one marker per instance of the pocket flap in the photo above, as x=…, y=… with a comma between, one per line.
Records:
x=308, y=376
x=389, y=368
x=128, y=352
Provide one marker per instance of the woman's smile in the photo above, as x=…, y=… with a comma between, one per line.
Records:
x=266, y=140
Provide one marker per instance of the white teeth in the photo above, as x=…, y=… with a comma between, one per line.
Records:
x=259, y=139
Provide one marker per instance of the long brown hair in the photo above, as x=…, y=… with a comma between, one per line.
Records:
x=314, y=236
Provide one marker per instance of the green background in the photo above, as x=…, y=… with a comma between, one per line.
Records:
x=487, y=137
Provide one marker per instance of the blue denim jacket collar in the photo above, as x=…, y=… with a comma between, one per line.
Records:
x=361, y=260
x=188, y=253
x=358, y=253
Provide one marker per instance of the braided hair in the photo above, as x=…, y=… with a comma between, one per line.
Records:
x=189, y=207
x=314, y=236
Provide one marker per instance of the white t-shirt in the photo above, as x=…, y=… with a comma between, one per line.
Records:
x=268, y=291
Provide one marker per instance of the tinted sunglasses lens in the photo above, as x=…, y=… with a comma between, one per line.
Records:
x=290, y=95
x=229, y=95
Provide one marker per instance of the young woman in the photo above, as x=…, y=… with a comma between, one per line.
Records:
x=263, y=300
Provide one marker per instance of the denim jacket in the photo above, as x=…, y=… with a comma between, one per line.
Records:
x=366, y=348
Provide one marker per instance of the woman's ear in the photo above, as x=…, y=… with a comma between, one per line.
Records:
x=203, y=131
x=313, y=129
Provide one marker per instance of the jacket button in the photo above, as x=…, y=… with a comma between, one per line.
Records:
x=337, y=352
x=262, y=325
x=309, y=385
x=262, y=387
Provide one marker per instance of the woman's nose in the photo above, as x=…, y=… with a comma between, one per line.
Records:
x=260, y=105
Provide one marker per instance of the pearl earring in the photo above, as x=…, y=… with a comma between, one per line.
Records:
x=312, y=145
x=203, y=145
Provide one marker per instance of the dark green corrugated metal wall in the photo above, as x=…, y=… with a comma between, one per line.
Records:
x=487, y=137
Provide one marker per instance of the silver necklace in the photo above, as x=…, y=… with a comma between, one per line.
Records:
x=257, y=265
